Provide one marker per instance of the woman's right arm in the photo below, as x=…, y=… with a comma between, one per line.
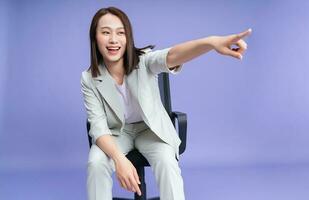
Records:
x=102, y=136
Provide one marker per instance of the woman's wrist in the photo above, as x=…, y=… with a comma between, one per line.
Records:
x=118, y=157
x=211, y=41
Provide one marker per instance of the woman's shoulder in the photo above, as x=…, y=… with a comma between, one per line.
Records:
x=144, y=52
x=86, y=76
x=86, y=73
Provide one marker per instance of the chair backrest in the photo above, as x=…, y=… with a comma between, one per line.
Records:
x=164, y=86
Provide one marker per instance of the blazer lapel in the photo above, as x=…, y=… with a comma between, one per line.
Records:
x=105, y=84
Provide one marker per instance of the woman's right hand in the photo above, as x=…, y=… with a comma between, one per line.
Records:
x=127, y=174
x=223, y=44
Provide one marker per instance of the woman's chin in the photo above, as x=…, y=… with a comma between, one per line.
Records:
x=112, y=59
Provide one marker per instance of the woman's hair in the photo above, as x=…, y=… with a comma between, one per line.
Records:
x=131, y=55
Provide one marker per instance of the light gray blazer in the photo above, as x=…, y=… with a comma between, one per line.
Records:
x=105, y=111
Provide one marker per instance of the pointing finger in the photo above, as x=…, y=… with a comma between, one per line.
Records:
x=242, y=35
x=245, y=33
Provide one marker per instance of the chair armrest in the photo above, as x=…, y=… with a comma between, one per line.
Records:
x=182, y=128
x=88, y=128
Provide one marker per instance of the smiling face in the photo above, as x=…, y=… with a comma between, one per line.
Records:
x=111, y=39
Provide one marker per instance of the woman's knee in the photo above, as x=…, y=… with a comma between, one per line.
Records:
x=98, y=160
x=165, y=158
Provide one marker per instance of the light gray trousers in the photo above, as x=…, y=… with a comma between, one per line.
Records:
x=159, y=154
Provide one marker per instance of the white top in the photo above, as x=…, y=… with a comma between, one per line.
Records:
x=131, y=107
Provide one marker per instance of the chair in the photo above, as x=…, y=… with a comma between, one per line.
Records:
x=137, y=159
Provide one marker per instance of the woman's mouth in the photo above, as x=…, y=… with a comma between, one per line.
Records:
x=113, y=50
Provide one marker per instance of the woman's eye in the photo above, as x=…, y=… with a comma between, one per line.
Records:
x=121, y=33
x=105, y=32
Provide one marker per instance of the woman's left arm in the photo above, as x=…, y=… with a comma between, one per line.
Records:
x=186, y=51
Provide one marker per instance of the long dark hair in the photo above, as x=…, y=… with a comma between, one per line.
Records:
x=131, y=55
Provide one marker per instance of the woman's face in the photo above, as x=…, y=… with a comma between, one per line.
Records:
x=111, y=38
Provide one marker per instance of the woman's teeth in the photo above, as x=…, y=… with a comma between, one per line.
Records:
x=113, y=48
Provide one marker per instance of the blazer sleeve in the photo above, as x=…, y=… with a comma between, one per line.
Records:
x=95, y=112
x=156, y=62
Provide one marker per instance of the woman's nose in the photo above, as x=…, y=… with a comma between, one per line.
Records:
x=112, y=38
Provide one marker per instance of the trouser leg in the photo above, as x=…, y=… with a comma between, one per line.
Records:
x=101, y=168
x=161, y=157
x=99, y=180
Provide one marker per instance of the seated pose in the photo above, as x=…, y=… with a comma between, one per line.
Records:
x=124, y=109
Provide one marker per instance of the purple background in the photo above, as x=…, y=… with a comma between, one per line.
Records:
x=247, y=120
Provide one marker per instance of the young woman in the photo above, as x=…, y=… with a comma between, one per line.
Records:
x=124, y=108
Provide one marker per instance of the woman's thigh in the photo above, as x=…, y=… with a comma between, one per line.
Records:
x=154, y=148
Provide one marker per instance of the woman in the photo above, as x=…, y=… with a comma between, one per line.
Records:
x=123, y=104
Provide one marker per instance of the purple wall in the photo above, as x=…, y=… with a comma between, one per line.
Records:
x=248, y=112
x=4, y=18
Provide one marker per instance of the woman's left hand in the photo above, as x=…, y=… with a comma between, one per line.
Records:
x=223, y=44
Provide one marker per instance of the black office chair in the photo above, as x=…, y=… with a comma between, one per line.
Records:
x=137, y=159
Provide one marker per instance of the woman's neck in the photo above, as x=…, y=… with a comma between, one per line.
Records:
x=116, y=70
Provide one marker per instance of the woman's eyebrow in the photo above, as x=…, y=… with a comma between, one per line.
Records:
x=110, y=27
